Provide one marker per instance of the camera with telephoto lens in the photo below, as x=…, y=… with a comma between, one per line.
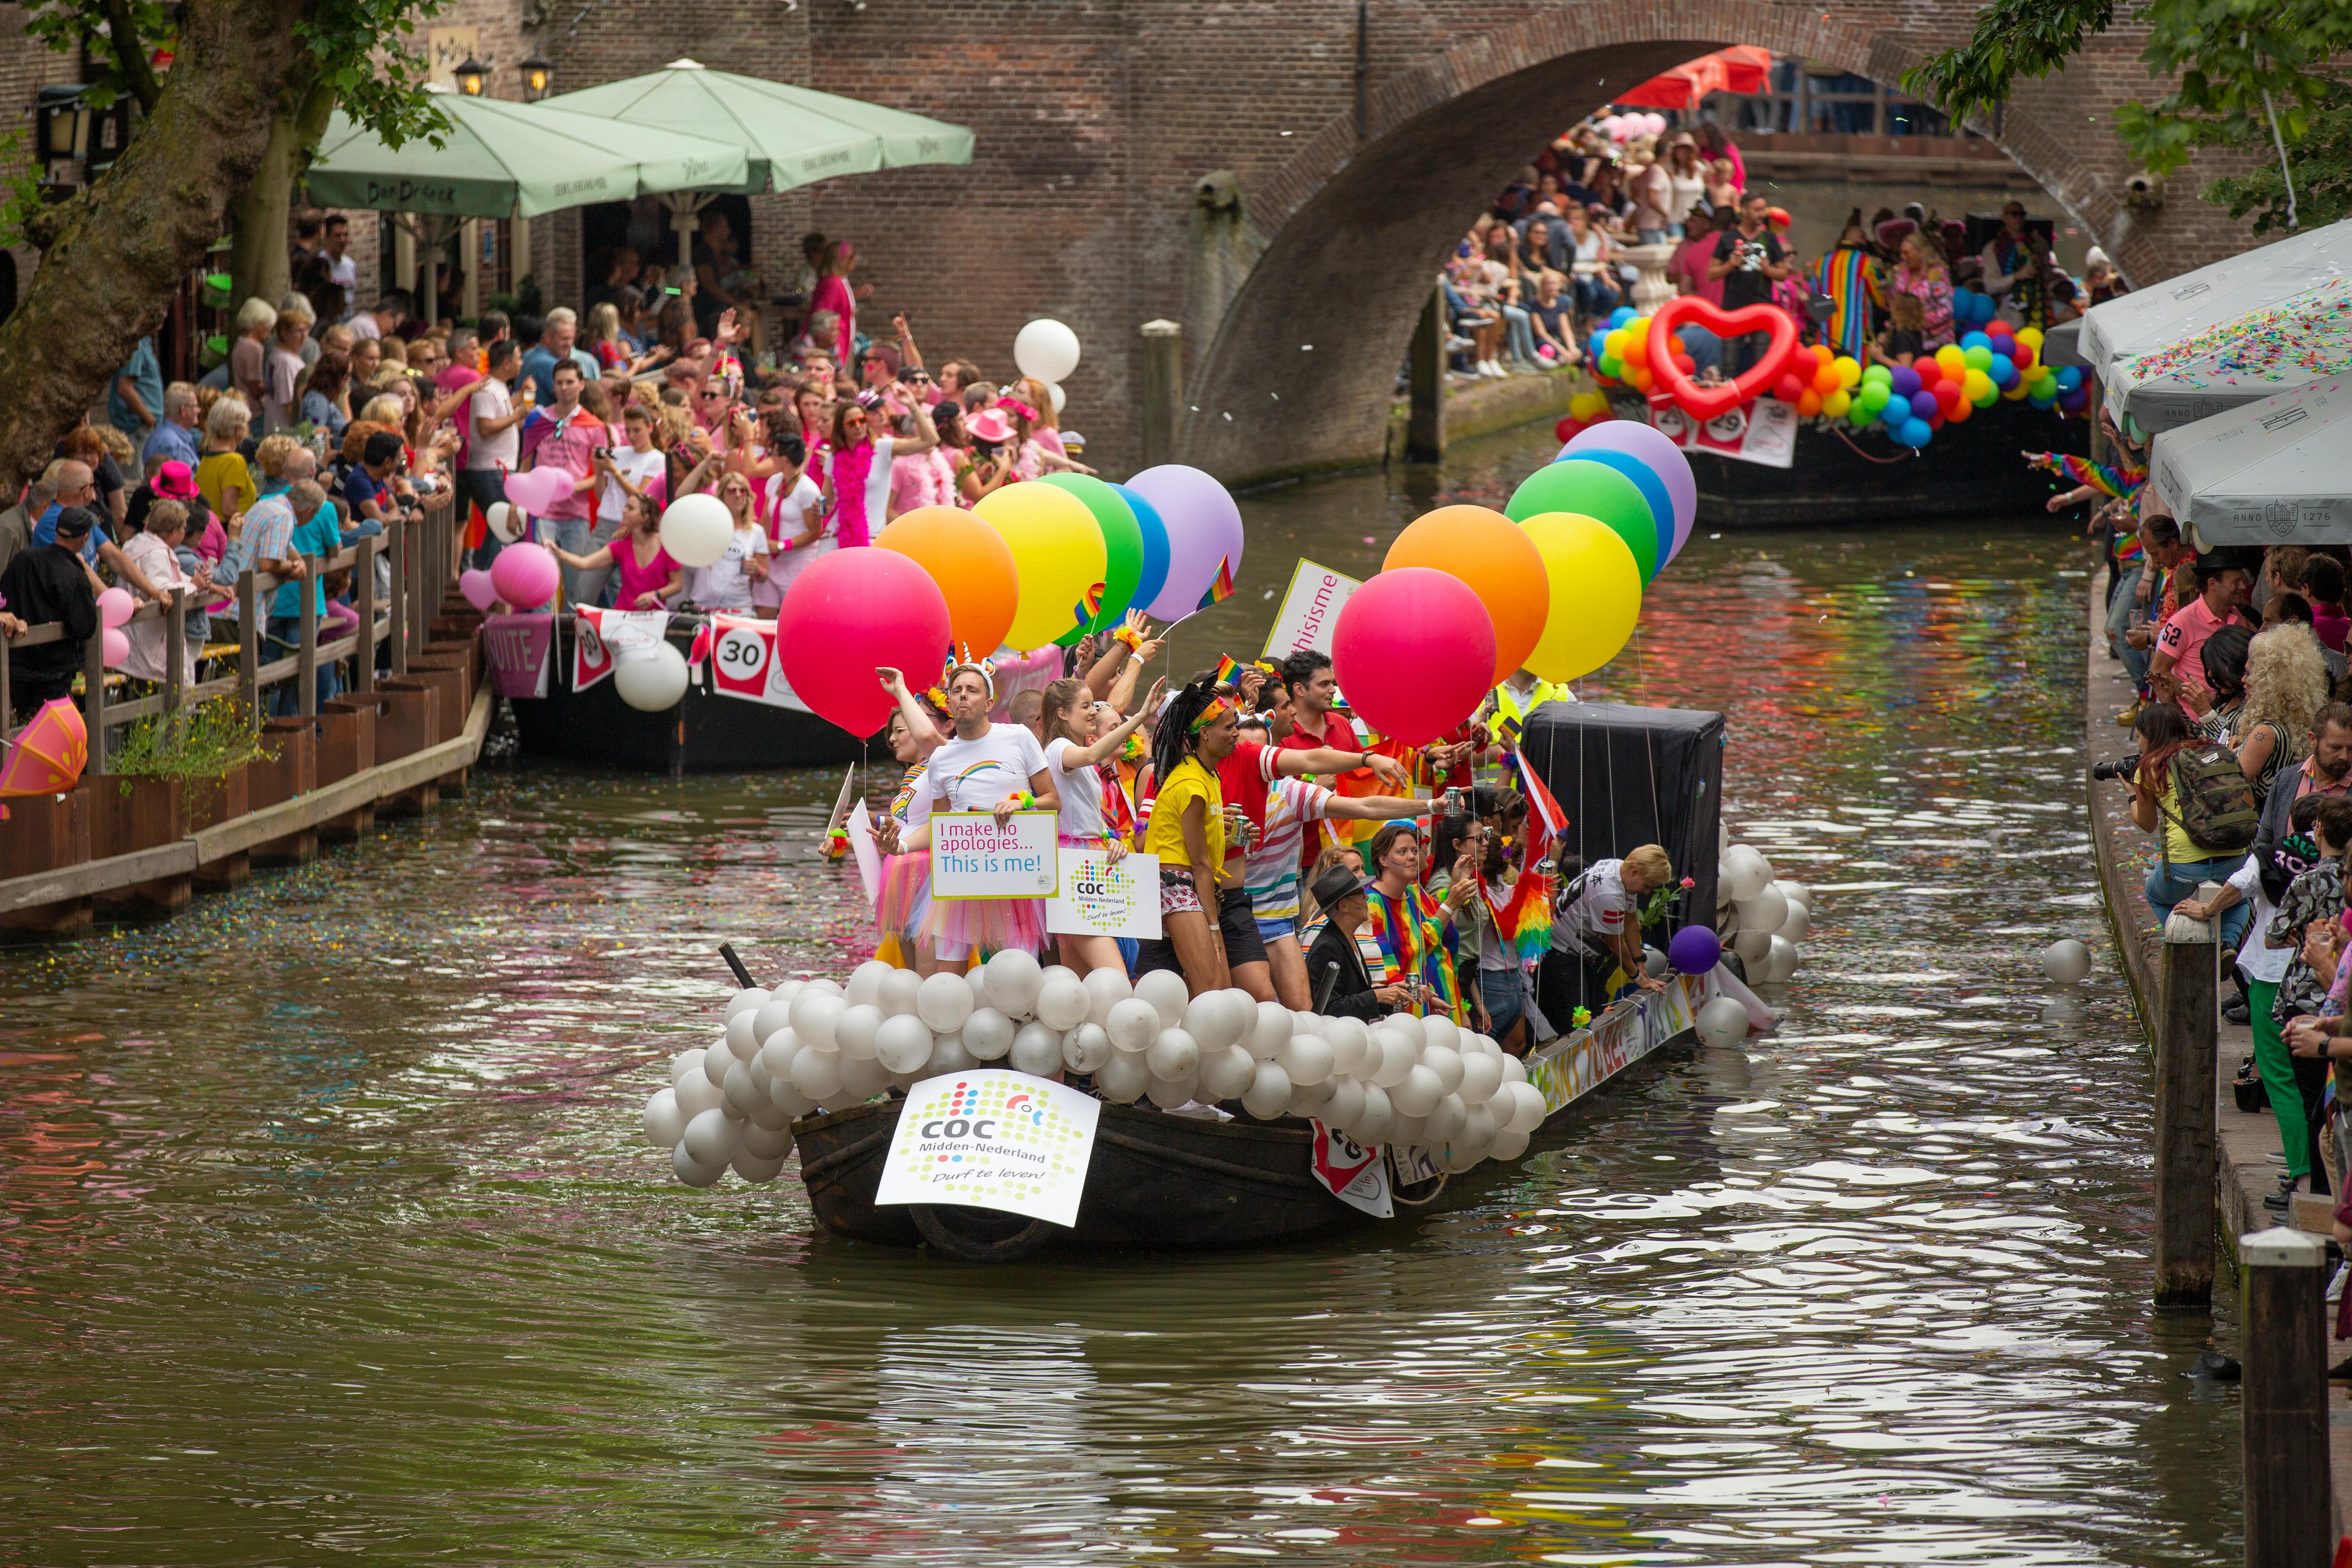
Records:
x=2127, y=768
x=1751, y=256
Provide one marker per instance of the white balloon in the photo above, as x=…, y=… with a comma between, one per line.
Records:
x=943, y=1001
x=1036, y=1051
x=1013, y=978
x=865, y=987
x=1309, y=1099
x=1207, y=1020
x=1308, y=1059
x=1763, y=913
x=756, y=1171
x=1798, y=925
x=1419, y=1092
x=1447, y=1118
x=739, y=1037
x=685, y=1167
x=1270, y=1031
x=1175, y=1054
x=710, y=1138
x=818, y=1074
x=1346, y=1106
x=902, y=1044
x=815, y=1015
x=775, y=1014
x=1164, y=989
x=1454, y=1158
x=1106, y=989
x=1751, y=945
x=2066, y=960
x=654, y=680
x=716, y=1060
x=746, y=1089
x=789, y=1100
x=1057, y=972
x=1478, y=1129
x=1781, y=962
x=1482, y=1075
x=1169, y=1093
x=1747, y=872
x=1409, y=1131
x=987, y=1033
x=775, y=1057
x=765, y=1144
x=1055, y=394
x=1268, y=1095
x=696, y=1094
x=1411, y=1027
x=1063, y=1003
x=896, y=994
x=1528, y=1108
x=862, y=1078
x=684, y=1064
x=1509, y=1144
x=1446, y=1063
x=854, y=1032
x=950, y=1054
x=1795, y=893
x=1225, y=1073
x=1514, y=1069
x=977, y=978
x=1133, y=1024
x=665, y=1123
x=1722, y=1022
x=1047, y=350
x=1123, y=1078
x=774, y=1115
x=504, y=522
x=1377, y=1120
x=1436, y=1031
x=1086, y=1048
x=747, y=1000
x=1398, y=1055
x=1348, y=1040
x=697, y=529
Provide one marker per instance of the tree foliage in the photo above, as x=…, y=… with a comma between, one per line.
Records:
x=2247, y=76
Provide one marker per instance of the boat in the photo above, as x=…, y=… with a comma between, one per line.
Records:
x=1162, y=1182
x=705, y=732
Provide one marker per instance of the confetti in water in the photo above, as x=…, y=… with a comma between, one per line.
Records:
x=1369, y=539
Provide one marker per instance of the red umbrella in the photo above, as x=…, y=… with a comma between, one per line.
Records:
x=1742, y=69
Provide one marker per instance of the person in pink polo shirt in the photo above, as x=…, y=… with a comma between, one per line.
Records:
x=2223, y=584
x=567, y=436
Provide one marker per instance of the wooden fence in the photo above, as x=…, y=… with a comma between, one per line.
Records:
x=423, y=549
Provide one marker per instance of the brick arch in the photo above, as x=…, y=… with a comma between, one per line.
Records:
x=1349, y=235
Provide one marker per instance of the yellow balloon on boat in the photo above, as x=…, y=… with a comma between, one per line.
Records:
x=1596, y=593
x=1058, y=559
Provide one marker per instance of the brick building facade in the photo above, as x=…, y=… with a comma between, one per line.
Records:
x=1272, y=175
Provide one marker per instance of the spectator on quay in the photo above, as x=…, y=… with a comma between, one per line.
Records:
x=834, y=294
x=335, y=238
x=367, y=489
x=248, y=355
x=1652, y=189
x=1687, y=177
x=1748, y=262
x=313, y=531
x=856, y=477
x=1551, y=318
x=327, y=394
x=1589, y=273
x=955, y=374
x=1693, y=259
x=367, y=360
x=383, y=319
x=556, y=346
x=16, y=522
x=2018, y=268
x=169, y=481
x=74, y=484
x=174, y=433
x=722, y=281
x=494, y=445
x=86, y=444
x=2224, y=584
x=2212, y=707
x=620, y=270
x=2286, y=686
x=51, y=581
x=2181, y=862
x=135, y=397
x=2323, y=587
x=221, y=472
x=610, y=342
x=283, y=370
x=153, y=550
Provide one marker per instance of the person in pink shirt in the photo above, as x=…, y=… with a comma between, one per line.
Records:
x=567, y=436
x=2223, y=585
x=2323, y=584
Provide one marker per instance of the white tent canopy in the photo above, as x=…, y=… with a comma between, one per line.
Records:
x=2274, y=472
x=2151, y=318
x=2296, y=342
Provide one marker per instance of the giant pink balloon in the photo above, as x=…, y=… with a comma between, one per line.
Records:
x=1413, y=650
x=848, y=613
x=1644, y=443
x=524, y=575
x=538, y=488
x=1205, y=537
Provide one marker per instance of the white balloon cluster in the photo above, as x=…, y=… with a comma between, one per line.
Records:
x=812, y=1045
x=1766, y=918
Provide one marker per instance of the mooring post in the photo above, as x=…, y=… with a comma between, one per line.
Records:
x=2284, y=1400
x=1424, y=374
x=1163, y=390
x=2185, y=1133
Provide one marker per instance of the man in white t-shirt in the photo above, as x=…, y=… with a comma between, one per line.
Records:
x=341, y=268
x=1596, y=931
x=493, y=442
x=984, y=766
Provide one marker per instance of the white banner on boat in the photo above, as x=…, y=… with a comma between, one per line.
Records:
x=1310, y=609
x=1350, y=1172
x=1102, y=897
x=1761, y=431
x=992, y=1139
x=974, y=856
x=1577, y=1063
x=603, y=638
x=743, y=662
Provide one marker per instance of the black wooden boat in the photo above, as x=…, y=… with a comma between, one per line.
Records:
x=705, y=732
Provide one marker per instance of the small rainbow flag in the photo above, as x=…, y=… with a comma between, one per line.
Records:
x=1227, y=670
x=1220, y=589
x=1089, y=605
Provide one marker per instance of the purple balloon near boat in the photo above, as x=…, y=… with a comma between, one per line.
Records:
x=1695, y=951
x=1665, y=459
x=1204, y=538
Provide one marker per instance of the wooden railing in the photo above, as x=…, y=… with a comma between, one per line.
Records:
x=423, y=549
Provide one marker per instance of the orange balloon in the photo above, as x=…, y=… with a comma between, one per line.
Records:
x=973, y=567
x=1499, y=563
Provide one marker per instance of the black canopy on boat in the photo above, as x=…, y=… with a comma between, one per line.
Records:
x=1627, y=776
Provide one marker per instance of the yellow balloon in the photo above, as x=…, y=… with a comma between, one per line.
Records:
x=1058, y=558
x=1596, y=593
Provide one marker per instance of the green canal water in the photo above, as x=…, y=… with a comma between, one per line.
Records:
x=327, y=1234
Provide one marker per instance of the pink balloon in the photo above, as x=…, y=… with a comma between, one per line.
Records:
x=114, y=606
x=475, y=584
x=538, y=488
x=524, y=575
x=116, y=644
x=848, y=613
x=1412, y=651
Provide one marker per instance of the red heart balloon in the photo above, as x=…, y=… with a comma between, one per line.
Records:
x=1704, y=403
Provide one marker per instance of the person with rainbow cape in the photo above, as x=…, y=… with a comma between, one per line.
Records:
x=1418, y=942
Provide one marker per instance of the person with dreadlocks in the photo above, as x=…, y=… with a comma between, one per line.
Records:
x=1197, y=730
x=984, y=767
x=904, y=897
x=1082, y=734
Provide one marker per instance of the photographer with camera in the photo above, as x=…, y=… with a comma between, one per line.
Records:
x=2194, y=794
x=1748, y=262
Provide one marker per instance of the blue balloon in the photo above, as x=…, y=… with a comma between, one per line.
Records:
x=2002, y=371
x=1620, y=316
x=1915, y=434
x=1976, y=341
x=1986, y=307
x=1906, y=381
x=1895, y=413
x=1645, y=479
x=2070, y=378
x=1923, y=403
x=1155, y=546
x=1964, y=304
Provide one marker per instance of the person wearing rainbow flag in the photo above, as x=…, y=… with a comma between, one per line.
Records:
x=1418, y=943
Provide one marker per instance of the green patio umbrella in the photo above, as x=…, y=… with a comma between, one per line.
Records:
x=502, y=159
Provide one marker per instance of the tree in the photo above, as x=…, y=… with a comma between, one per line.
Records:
x=2262, y=78
x=248, y=80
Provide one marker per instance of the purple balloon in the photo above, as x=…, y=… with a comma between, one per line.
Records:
x=1923, y=403
x=1906, y=381
x=1695, y=951
x=1205, y=535
x=1647, y=445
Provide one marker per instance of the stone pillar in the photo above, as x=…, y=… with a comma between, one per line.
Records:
x=1424, y=432
x=1652, y=287
x=1163, y=390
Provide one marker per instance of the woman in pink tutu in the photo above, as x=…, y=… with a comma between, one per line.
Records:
x=904, y=897
x=984, y=767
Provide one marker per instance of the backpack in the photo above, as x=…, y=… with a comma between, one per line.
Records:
x=2217, y=811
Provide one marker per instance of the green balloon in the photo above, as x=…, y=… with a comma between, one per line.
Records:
x=1874, y=397
x=1860, y=414
x=1122, y=549
x=1597, y=491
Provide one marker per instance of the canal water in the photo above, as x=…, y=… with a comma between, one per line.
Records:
x=328, y=1234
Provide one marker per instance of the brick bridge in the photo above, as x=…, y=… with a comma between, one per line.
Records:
x=1271, y=175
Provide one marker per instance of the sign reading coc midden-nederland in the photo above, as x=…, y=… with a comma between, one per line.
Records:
x=992, y=1139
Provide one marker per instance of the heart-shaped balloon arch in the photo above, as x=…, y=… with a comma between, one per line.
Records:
x=1704, y=403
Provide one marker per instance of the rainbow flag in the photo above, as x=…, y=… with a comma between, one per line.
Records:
x=1222, y=588
x=2118, y=481
x=1089, y=605
x=1227, y=670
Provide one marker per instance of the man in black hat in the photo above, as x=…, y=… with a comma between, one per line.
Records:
x=2224, y=583
x=49, y=583
x=1339, y=891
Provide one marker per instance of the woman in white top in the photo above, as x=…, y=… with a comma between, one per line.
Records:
x=1589, y=266
x=1688, y=176
x=282, y=371
x=151, y=552
x=1094, y=813
x=727, y=583
x=799, y=532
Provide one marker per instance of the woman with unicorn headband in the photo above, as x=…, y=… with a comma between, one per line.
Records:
x=982, y=767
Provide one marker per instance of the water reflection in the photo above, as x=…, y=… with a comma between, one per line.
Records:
x=327, y=1231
